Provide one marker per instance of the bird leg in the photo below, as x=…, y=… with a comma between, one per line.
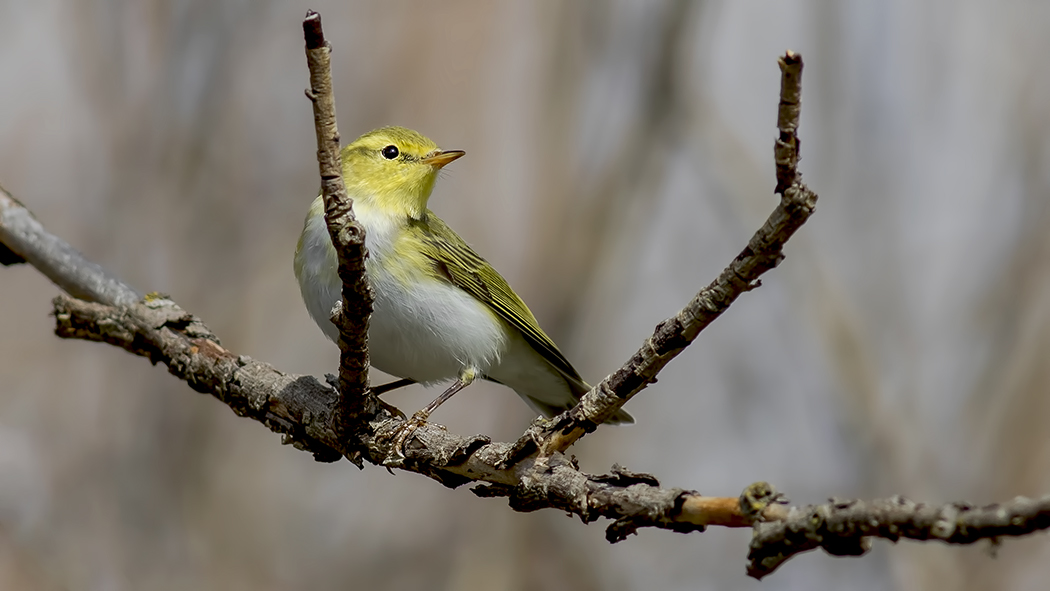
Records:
x=456, y=386
x=394, y=385
x=384, y=388
x=405, y=431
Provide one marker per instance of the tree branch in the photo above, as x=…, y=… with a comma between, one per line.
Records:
x=24, y=239
x=300, y=408
x=845, y=528
x=532, y=473
x=672, y=336
x=348, y=236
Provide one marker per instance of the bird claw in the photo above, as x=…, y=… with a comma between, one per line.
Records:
x=402, y=435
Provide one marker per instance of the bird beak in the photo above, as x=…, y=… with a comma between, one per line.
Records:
x=439, y=158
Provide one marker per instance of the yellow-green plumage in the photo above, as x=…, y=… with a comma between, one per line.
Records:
x=441, y=311
x=472, y=273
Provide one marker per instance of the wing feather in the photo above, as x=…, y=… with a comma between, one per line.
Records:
x=467, y=270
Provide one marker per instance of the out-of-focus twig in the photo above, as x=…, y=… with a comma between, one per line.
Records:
x=24, y=239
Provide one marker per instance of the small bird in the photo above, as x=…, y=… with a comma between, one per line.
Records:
x=441, y=312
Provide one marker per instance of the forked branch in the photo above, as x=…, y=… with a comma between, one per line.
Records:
x=534, y=472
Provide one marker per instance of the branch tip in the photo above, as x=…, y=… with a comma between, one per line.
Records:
x=312, y=31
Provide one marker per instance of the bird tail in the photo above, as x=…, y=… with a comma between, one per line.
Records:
x=622, y=417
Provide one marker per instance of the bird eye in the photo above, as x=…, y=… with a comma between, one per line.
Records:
x=390, y=152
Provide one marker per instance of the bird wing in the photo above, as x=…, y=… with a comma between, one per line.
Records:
x=467, y=270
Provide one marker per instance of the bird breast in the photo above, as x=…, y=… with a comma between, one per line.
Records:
x=422, y=327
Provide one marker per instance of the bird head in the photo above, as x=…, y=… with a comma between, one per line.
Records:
x=393, y=169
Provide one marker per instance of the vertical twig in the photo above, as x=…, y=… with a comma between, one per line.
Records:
x=347, y=234
x=786, y=149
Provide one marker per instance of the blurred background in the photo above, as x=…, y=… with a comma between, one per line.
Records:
x=619, y=155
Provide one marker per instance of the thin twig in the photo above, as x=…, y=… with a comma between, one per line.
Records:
x=347, y=234
x=672, y=336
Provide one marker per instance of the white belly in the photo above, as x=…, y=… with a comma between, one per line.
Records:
x=431, y=332
x=427, y=330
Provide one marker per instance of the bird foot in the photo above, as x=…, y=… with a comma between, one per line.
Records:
x=402, y=435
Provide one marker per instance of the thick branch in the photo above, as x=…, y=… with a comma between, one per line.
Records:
x=844, y=528
x=347, y=234
x=300, y=408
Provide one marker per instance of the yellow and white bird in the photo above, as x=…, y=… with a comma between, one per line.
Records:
x=441, y=312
